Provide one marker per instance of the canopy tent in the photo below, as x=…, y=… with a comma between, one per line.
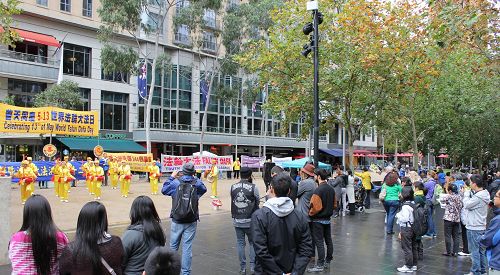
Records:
x=35, y=37
x=205, y=154
x=109, y=145
x=443, y=156
x=404, y=155
x=299, y=163
x=332, y=152
x=356, y=155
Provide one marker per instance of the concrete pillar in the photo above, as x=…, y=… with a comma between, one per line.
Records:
x=5, y=218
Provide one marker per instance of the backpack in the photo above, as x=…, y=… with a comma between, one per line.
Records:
x=438, y=190
x=185, y=203
x=420, y=223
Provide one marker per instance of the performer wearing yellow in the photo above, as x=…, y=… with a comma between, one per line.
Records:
x=214, y=173
x=86, y=168
x=72, y=171
x=2, y=171
x=56, y=176
x=237, y=168
x=154, y=176
x=113, y=172
x=26, y=178
x=66, y=179
x=97, y=178
x=125, y=177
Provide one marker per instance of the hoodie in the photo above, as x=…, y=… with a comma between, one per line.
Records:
x=136, y=250
x=491, y=240
x=476, y=209
x=281, y=238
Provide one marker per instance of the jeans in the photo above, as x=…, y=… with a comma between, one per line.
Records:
x=478, y=252
x=186, y=232
x=391, y=207
x=367, y=199
x=105, y=183
x=409, y=246
x=432, y=226
x=322, y=232
x=240, y=240
x=451, y=232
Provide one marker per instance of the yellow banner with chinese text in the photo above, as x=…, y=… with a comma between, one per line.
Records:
x=46, y=120
x=137, y=162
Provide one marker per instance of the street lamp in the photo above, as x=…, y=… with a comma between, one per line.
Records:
x=307, y=48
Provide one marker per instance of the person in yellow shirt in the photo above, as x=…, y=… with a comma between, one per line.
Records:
x=113, y=172
x=33, y=167
x=214, y=174
x=125, y=178
x=2, y=171
x=86, y=168
x=97, y=179
x=71, y=170
x=237, y=168
x=65, y=182
x=366, y=180
x=56, y=176
x=154, y=176
x=26, y=178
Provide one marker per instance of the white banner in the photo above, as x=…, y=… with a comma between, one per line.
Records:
x=174, y=163
x=279, y=161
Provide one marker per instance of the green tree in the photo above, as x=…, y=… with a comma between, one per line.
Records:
x=8, y=8
x=65, y=95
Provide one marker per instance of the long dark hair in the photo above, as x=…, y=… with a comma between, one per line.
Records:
x=37, y=221
x=143, y=212
x=91, y=226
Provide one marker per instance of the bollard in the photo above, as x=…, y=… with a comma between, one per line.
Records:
x=5, y=186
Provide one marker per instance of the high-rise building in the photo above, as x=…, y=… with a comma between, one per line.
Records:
x=59, y=41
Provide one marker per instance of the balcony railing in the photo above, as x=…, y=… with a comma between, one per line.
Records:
x=183, y=39
x=29, y=57
x=209, y=46
x=212, y=24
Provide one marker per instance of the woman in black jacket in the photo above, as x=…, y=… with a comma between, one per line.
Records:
x=142, y=236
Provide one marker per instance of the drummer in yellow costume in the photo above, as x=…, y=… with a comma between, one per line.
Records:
x=86, y=168
x=125, y=178
x=2, y=171
x=56, y=176
x=97, y=178
x=26, y=178
x=154, y=176
x=71, y=169
x=214, y=174
x=113, y=172
x=66, y=179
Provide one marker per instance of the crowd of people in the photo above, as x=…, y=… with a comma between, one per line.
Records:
x=289, y=234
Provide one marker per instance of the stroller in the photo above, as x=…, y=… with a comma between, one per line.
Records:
x=359, y=196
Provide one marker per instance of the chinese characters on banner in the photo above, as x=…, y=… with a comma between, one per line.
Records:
x=46, y=120
x=137, y=162
x=44, y=169
x=174, y=163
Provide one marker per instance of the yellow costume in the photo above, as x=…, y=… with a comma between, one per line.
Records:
x=2, y=171
x=113, y=173
x=154, y=176
x=71, y=169
x=56, y=176
x=66, y=179
x=87, y=173
x=125, y=178
x=26, y=178
x=97, y=178
x=214, y=173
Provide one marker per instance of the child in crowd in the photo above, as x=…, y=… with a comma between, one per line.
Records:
x=419, y=199
x=408, y=239
x=162, y=261
x=453, y=205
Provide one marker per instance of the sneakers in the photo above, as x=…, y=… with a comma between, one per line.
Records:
x=316, y=268
x=463, y=254
x=405, y=269
x=414, y=268
x=243, y=271
x=326, y=266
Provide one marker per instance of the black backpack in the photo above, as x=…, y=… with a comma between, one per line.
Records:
x=185, y=203
x=420, y=223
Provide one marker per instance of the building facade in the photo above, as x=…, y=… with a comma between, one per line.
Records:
x=59, y=41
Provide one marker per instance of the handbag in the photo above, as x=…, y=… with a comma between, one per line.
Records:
x=383, y=193
x=108, y=267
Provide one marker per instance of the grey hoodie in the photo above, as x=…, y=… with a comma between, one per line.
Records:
x=476, y=209
x=281, y=206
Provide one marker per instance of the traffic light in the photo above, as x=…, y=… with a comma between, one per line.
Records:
x=307, y=30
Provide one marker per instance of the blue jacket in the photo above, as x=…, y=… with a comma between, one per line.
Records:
x=442, y=178
x=170, y=186
x=430, y=184
x=104, y=164
x=491, y=240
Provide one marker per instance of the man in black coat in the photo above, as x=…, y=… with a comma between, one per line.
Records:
x=282, y=240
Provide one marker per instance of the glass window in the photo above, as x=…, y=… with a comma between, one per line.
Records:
x=66, y=5
x=184, y=118
x=114, y=110
x=42, y=2
x=29, y=52
x=154, y=22
x=76, y=60
x=85, y=99
x=185, y=78
x=24, y=91
x=182, y=4
x=182, y=34
x=212, y=120
x=209, y=42
x=87, y=8
x=209, y=18
x=185, y=99
x=115, y=76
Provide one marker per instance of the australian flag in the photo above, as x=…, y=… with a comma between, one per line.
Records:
x=142, y=82
x=204, y=91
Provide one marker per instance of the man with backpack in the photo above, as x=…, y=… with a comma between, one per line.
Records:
x=185, y=190
x=244, y=201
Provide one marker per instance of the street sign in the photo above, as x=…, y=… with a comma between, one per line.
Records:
x=49, y=150
x=98, y=151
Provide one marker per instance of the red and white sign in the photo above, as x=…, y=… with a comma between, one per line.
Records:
x=174, y=163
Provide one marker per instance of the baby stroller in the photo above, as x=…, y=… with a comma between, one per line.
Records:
x=359, y=196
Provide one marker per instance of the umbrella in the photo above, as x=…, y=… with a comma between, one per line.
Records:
x=372, y=155
x=404, y=155
x=443, y=156
x=358, y=155
x=205, y=154
x=299, y=163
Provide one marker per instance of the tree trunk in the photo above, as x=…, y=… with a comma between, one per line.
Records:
x=204, y=117
x=351, y=147
x=150, y=95
x=414, y=141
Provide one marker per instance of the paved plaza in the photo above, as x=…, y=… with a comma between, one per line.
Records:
x=360, y=246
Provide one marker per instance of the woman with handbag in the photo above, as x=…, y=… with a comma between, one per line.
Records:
x=389, y=195
x=94, y=251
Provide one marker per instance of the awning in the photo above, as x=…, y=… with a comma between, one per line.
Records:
x=332, y=152
x=34, y=37
x=109, y=145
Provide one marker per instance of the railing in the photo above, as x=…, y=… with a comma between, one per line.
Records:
x=182, y=39
x=209, y=45
x=212, y=23
x=29, y=57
